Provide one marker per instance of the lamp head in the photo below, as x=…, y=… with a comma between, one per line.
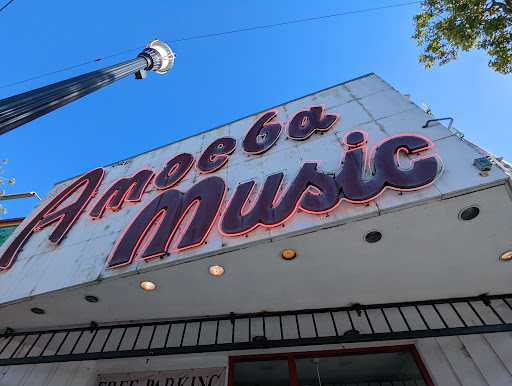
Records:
x=165, y=53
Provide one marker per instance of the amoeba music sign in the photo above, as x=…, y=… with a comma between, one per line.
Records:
x=363, y=174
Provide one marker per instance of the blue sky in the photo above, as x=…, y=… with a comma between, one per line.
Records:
x=215, y=80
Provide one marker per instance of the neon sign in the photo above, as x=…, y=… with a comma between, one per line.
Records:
x=63, y=217
x=124, y=189
x=262, y=134
x=307, y=121
x=362, y=176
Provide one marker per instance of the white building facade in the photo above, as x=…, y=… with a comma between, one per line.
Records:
x=337, y=239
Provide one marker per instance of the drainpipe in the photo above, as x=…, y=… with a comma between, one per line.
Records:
x=23, y=108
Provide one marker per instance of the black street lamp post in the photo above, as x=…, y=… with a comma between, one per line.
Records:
x=20, y=109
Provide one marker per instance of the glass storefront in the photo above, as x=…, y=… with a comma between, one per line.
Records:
x=265, y=372
x=387, y=366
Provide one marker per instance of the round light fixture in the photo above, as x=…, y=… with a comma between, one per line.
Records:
x=469, y=213
x=216, y=270
x=148, y=286
x=507, y=256
x=352, y=331
x=372, y=237
x=165, y=52
x=288, y=254
x=38, y=311
x=92, y=298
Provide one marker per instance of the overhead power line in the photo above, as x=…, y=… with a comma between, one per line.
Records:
x=218, y=34
x=5, y=6
x=293, y=22
x=69, y=68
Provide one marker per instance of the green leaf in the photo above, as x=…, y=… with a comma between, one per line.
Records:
x=443, y=28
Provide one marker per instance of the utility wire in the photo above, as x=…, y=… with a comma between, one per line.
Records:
x=293, y=22
x=218, y=34
x=69, y=68
x=5, y=6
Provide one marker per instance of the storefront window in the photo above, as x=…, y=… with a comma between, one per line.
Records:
x=379, y=369
x=262, y=373
x=387, y=366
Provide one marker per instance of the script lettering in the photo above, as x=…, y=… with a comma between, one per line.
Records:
x=124, y=189
x=52, y=213
x=174, y=170
x=306, y=122
x=216, y=155
x=267, y=212
x=262, y=134
x=385, y=171
x=165, y=212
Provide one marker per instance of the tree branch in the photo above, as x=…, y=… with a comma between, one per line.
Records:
x=504, y=7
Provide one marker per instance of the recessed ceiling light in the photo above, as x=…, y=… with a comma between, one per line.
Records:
x=506, y=256
x=352, y=331
x=373, y=236
x=148, y=286
x=92, y=298
x=259, y=338
x=38, y=311
x=469, y=213
x=288, y=254
x=216, y=270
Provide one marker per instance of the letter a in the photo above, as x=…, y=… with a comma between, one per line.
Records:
x=51, y=213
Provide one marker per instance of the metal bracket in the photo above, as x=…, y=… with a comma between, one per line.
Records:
x=93, y=326
x=485, y=300
x=141, y=74
x=437, y=120
x=357, y=308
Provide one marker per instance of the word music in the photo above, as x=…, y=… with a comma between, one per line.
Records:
x=311, y=190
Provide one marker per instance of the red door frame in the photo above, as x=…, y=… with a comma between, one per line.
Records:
x=292, y=356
